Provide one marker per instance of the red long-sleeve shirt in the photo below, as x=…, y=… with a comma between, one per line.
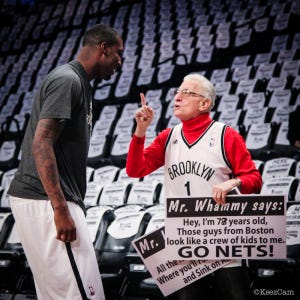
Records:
x=142, y=161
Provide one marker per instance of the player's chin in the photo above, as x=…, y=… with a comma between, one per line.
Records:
x=109, y=75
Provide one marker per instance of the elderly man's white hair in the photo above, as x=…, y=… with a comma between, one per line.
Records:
x=208, y=88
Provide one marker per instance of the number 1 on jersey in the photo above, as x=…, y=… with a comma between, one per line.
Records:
x=187, y=185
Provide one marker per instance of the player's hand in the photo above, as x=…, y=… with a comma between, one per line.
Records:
x=65, y=226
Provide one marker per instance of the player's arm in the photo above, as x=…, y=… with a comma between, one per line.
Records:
x=46, y=134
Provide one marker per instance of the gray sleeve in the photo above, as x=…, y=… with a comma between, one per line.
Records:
x=60, y=94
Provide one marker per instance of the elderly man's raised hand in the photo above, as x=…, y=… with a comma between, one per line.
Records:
x=143, y=116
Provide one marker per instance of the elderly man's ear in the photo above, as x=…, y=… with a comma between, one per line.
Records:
x=204, y=104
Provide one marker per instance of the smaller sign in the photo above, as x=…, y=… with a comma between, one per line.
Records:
x=171, y=275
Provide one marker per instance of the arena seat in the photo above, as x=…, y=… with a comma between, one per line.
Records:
x=98, y=219
x=123, y=177
x=259, y=141
x=115, y=194
x=281, y=273
x=144, y=193
x=284, y=185
x=106, y=174
x=112, y=251
x=16, y=276
x=6, y=224
x=93, y=192
x=278, y=167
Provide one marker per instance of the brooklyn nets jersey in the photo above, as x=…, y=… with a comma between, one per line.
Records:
x=193, y=169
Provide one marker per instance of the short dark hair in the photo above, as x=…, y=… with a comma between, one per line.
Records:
x=100, y=33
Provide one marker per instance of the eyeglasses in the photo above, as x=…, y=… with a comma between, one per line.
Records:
x=187, y=93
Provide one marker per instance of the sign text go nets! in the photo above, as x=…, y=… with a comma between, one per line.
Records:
x=246, y=226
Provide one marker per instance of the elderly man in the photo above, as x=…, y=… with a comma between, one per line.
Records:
x=199, y=139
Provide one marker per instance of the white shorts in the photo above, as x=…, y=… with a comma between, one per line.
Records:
x=61, y=271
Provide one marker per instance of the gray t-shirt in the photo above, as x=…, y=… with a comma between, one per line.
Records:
x=65, y=94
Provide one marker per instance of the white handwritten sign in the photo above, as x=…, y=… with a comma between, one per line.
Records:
x=171, y=275
x=252, y=226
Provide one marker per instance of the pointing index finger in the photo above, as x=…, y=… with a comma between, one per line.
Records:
x=143, y=100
